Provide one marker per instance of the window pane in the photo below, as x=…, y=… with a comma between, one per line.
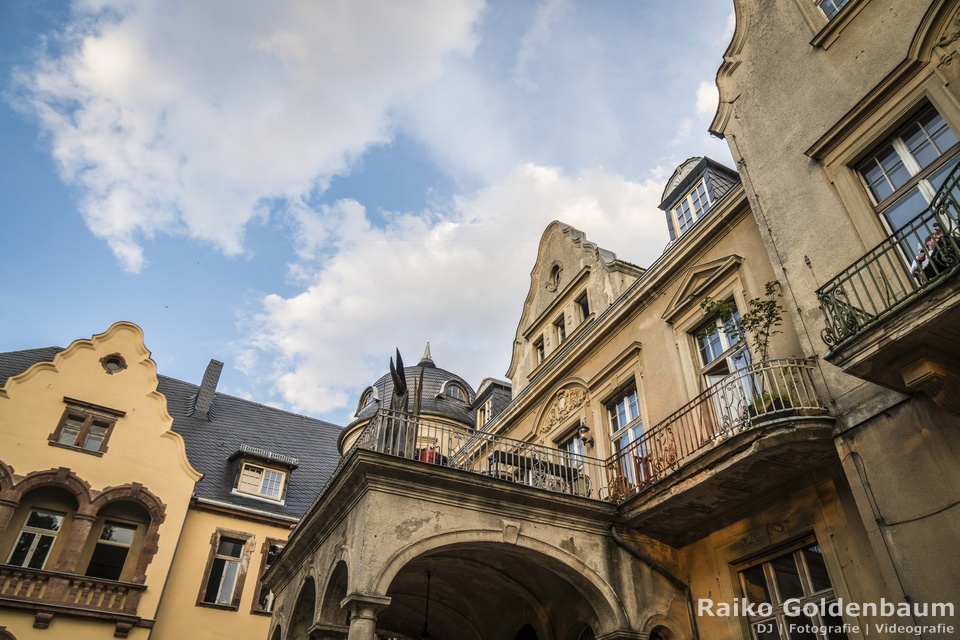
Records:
x=818, y=569
x=230, y=547
x=118, y=533
x=906, y=209
x=755, y=585
x=44, y=520
x=40, y=553
x=213, y=582
x=107, y=561
x=98, y=431
x=71, y=429
x=250, y=479
x=19, y=555
x=229, y=580
x=272, y=482
x=788, y=578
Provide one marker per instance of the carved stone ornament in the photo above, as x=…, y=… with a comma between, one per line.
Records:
x=567, y=401
x=776, y=528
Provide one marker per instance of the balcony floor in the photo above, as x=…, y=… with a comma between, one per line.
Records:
x=726, y=482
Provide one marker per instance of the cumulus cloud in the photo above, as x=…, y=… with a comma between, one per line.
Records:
x=456, y=278
x=186, y=117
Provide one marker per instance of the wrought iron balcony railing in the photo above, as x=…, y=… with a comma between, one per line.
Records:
x=746, y=398
x=916, y=258
x=483, y=453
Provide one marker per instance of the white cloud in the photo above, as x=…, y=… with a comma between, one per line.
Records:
x=182, y=117
x=708, y=97
x=457, y=280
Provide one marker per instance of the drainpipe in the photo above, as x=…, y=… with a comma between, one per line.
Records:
x=663, y=571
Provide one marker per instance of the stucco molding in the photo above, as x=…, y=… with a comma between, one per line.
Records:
x=726, y=88
x=567, y=401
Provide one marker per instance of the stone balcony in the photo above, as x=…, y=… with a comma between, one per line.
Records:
x=893, y=321
x=52, y=593
x=709, y=462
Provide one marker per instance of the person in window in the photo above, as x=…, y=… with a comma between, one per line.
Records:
x=923, y=263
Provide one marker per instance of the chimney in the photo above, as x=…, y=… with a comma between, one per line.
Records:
x=207, y=388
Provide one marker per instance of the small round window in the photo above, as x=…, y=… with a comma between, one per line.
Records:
x=456, y=391
x=113, y=363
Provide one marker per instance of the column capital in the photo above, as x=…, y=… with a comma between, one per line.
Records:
x=373, y=602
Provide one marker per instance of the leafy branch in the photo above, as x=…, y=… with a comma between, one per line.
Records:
x=759, y=322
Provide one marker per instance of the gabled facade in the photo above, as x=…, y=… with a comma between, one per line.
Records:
x=137, y=505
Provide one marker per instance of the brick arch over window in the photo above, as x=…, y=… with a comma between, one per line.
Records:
x=63, y=478
x=6, y=479
x=6, y=635
x=138, y=494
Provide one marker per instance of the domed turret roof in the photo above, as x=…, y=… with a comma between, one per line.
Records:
x=445, y=395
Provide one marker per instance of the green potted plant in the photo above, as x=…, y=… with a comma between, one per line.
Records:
x=757, y=325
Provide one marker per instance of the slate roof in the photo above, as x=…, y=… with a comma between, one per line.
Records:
x=14, y=362
x=433, y=400
x=233, y=422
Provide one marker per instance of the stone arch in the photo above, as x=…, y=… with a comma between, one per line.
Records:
x=6, y=477
x=661, y=627
x=277, y=633
x=940, y=27
x=333, y=595
x=156, y=511
x=63, y=478
x=599, y=595
x=304, y=610
x=6, y=635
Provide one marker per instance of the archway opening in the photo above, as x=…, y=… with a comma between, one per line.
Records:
x=489, y=590
x=333, y=595
x=303, y=611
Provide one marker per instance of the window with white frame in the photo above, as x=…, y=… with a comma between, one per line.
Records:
x=903, y=173
x=261, y=481
x=455, y=391
x=719, y=356
x=691, y=207
x=226, y=570
x=780, y=585
x=36, y=539
x=625, y=422
x=831, y=8
x=110, y=553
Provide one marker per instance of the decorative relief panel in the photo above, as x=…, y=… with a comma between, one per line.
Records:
x=564, y=405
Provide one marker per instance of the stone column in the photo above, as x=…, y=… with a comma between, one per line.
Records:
x=75, y=541
x=363, y=614
x=7, y=507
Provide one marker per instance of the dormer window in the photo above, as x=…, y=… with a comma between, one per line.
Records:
x=262, y=474
x=456, y=392
x=539, y=350
x=261, y=481
x=696, y=186
x=691, y=208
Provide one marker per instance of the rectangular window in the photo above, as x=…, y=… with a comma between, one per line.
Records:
x=264, y=600
x=225, y=576
x=85, y=427
x=904, y=172
x=539, y=350
x=583, y=304
x=691, y=208
x=800, y=574
x=625, y=423
x=111, y=551
x=560, y=329
x=831, y=8
x=36, y=539
x=261, y=481
x=719, y=356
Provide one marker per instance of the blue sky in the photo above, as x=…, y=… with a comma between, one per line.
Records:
x=297, y=188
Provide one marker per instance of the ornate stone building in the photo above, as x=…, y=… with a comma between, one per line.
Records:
x=137, y=505
x=655, y=470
